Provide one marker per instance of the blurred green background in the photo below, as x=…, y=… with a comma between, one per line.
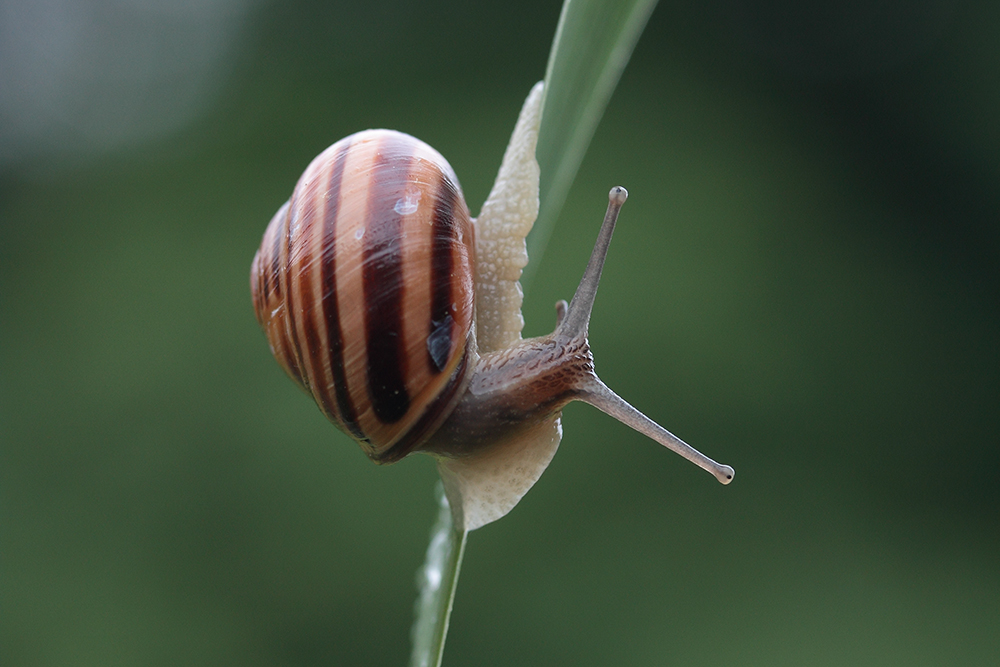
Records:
x=804, y=285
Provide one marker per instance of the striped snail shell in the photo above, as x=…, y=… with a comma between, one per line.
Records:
x=400, y=315
x=363, y=285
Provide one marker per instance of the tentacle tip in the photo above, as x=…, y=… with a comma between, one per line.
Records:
x=724, y=474
x=618, y=195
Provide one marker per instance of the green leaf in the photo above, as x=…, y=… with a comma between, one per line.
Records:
x=437, y=581
x=593, y=43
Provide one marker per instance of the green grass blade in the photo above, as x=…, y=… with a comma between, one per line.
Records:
x=437, y=581
x=593, y=43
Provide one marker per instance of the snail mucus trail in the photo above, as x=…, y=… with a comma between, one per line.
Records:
x=400, y=315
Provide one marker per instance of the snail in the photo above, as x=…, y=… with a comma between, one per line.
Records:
x=400, y=315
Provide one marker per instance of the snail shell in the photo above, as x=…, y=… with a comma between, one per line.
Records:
x=363, y=285
x=401, y=315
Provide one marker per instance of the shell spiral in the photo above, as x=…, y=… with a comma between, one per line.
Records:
x=363, y=285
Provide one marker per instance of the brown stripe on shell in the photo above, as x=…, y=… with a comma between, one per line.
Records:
x=285, y=291
x=306, y=213
x=346, y=278
x=384, y=288
x=271, y=308
x=443, y=240
x=271, y=280
x=347, y=415
x=311, y=284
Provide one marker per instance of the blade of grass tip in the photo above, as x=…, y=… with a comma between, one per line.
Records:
x=593, y=43
x=436, y=582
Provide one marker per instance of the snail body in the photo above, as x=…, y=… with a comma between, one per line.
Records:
x=400, y=314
